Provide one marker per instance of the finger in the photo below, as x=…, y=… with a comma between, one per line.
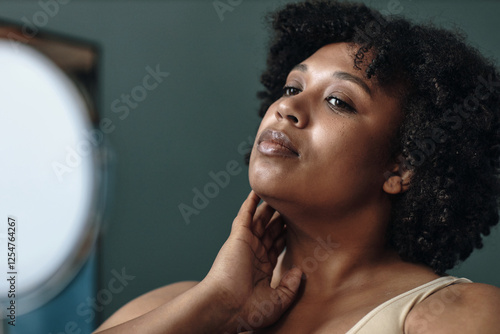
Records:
x=286, y=291
x=262, y=216
x=273, y=230
x=247, y=210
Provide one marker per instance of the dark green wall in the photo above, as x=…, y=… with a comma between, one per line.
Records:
x=194, y=121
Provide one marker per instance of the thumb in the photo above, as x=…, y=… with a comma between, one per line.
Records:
x=288, y=287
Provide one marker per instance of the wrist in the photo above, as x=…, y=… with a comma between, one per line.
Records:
x=222, y=307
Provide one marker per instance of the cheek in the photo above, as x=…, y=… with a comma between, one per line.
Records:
x=347, y=154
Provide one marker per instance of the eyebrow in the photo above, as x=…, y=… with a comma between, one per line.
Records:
x=300, y=67
x=340, y=75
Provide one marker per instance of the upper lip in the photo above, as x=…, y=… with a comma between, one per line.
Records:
x=279, y=138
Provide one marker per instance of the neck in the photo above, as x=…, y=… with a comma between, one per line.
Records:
x=338, y=252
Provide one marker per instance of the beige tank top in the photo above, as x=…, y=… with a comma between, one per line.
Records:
x=389, y=317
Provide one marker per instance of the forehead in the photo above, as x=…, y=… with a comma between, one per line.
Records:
x=339, y=58
x=338, y=52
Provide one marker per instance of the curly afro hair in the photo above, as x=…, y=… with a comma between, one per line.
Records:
x=450, y=135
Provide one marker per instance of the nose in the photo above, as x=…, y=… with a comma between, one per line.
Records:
x=293, y=109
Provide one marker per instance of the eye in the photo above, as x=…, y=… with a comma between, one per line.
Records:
x=290, y=91
x=337, y=104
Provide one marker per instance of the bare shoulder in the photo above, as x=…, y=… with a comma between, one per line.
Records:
x=459, y=308
x=147, y=302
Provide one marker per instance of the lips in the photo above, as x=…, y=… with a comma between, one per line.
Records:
x=276, y=143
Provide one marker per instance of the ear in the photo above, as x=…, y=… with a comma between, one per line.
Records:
x=397, y=180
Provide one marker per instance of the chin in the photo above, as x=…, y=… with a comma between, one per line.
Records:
x=259, y=185
x=270, y=183
x=273, y=193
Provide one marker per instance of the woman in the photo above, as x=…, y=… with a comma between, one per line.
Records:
x=377, y=163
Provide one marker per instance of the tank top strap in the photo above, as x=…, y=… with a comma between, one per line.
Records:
x=389, y=317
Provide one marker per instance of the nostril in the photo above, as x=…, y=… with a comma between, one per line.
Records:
x=293, y=118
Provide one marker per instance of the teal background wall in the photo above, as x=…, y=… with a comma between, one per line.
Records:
x=168, y=139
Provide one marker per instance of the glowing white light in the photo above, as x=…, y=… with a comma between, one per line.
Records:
x=42, y=119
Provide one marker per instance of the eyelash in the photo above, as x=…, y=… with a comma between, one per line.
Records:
x=342, y=105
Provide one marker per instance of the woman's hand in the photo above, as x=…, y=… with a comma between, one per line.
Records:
x=236, y=294
x=244, y=266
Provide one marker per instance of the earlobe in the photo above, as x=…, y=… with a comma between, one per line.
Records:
x=393, y=185
x=398, y=179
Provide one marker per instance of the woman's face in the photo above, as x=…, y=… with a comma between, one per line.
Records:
x=324, y=145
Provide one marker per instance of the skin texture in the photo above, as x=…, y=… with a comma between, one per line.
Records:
x=326, y=198
x=343, y=154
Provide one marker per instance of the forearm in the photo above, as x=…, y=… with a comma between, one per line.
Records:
x=238, y=282
x=198, y=310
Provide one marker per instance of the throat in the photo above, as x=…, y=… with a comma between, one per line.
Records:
x=329, y=266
